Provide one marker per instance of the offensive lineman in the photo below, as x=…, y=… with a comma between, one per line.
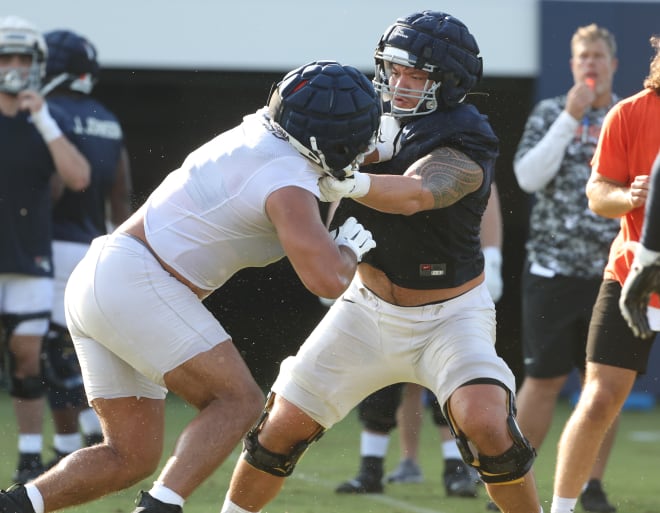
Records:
x=72, y=71
x=134, y=304
x=418, y=309
x=34, y=146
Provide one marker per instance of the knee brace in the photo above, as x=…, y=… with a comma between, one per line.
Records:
x=377, y=412
x=508, y=467
x=29, y=387
x=59, y=360
x=280, y=465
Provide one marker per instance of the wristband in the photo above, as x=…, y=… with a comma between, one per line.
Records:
x=46, y=125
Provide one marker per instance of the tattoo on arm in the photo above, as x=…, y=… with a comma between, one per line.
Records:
x=449, y=174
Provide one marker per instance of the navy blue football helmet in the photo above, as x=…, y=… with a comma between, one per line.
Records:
x=18, y=36
x=435, y=42
x=72, y=62
x=329, y=113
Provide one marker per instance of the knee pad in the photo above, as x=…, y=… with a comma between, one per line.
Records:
x=377, y=412
x=30, y=387
x=59, y=360
x=280, y=465
x=508, y=467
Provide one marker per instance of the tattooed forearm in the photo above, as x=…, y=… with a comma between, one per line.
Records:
x=449, y=175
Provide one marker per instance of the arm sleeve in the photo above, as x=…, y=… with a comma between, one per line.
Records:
x=651, y=230
x=540, y=164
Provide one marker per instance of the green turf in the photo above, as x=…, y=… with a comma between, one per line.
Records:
x=632, y=479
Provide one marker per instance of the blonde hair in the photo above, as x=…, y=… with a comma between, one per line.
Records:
x=652, y=81
x=593, y=33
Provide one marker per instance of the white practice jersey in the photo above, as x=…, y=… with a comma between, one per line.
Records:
x=207, y=219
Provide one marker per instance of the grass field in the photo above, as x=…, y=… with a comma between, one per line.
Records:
x=632, y=480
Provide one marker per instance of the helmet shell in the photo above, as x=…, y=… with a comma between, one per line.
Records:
x=330, y=109
x=436, y=42
x=72, y=60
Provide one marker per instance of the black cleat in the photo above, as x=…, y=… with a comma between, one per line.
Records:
x=369, y=478
x=29, y=467
x=147, y=504
x=59, y=456
x=459, y=481
x=93, y=439
x=360, y=485
x=594, y=500
x=15, y=500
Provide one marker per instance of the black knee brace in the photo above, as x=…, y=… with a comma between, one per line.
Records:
x=280, y=465
x=59, y=360
x=505, y=468
x=30, y=387
x=377, y=412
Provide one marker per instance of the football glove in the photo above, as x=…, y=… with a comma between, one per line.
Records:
x=387, y=142
x=353, y=235
x=643, y=280
x=354, y=186
x=493, y=271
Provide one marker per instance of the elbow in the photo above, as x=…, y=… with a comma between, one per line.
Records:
x=331, y=289
x=80, y=180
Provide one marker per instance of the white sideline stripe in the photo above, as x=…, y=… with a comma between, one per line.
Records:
x=644, y=436
x=375, y=497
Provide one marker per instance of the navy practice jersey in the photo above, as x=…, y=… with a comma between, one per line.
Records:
x=80, y=216
x=26, y=167
x=440, y=248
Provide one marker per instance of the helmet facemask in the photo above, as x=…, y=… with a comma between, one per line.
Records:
x=426, y=98
x=20, y=37
x=14, y=79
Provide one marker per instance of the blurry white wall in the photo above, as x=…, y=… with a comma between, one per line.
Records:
x=276, y=35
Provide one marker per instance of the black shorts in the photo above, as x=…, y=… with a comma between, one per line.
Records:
x=610, y=339
x=555, y=322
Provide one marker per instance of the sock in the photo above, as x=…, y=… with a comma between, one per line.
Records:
x=562, y=505
x=450, y=450
x=164, y=494
x=230, y=507
x=66, y=444
x=35, y=498
x=30, y=442
x=373, y=444
x=89, y=422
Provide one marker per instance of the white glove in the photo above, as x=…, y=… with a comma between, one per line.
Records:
x=387, y=142
x=493, y=271
x=333, y=189
x=353, y=235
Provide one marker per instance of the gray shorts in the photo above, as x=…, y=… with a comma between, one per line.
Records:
x=364, y=344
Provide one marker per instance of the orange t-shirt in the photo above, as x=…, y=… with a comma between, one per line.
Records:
x=628, y=145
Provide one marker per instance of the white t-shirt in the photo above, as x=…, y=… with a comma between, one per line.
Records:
x=207, y=219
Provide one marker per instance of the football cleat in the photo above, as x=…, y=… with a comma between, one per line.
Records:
x=15, y=500
x=406, y=472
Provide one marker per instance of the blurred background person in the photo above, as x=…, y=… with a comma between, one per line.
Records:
x=72, y=70
x=617, y=188
x=567, y=244
x=34, y=146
